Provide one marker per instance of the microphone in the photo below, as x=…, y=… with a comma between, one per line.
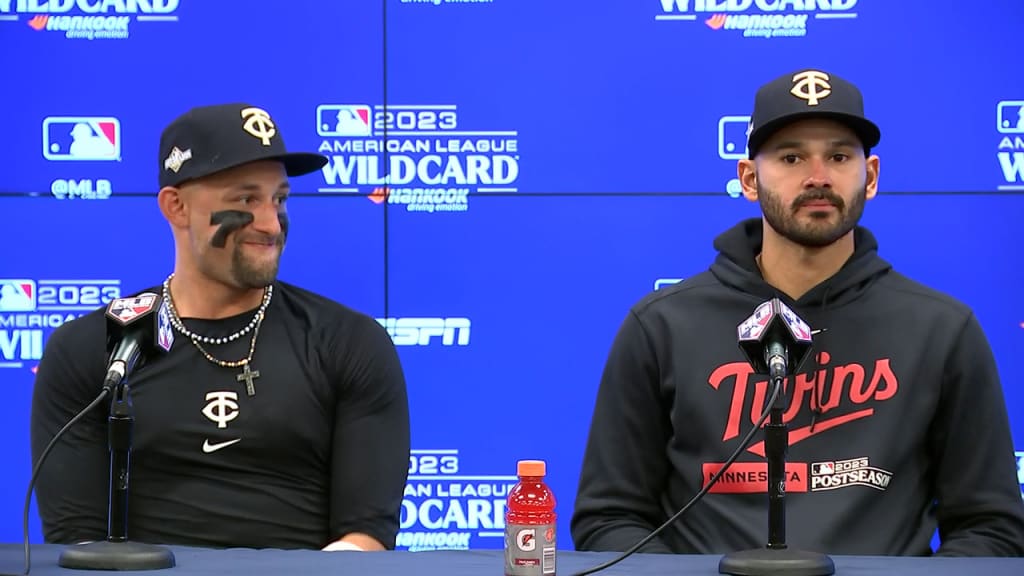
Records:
x=134, y=324
x=776, y=342
x=138, y=331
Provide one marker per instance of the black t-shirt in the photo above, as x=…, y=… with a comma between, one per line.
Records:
x=320, y=450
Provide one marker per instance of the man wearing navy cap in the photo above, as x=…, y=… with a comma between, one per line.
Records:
x=278, y=418
x=897, y=423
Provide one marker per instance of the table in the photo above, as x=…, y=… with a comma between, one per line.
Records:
x=206, y=562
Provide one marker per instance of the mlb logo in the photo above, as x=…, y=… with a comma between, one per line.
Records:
x=124, y=310
x=17, y=295
x=81, y=138
x=800, y=329
x=343, y=120
x=1020, y=469
x=1010, y=116
x=732, y=137
x=823, y=468
x=752, y=327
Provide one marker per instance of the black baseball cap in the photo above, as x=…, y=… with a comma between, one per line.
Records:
x=209, y=139
x=808, y=94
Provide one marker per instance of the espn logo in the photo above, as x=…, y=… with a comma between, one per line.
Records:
x=425, y=331
x=96, y=138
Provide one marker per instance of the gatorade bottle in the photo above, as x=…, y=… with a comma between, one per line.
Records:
x=530, y=523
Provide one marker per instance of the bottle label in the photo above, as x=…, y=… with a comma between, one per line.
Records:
x=530, y=549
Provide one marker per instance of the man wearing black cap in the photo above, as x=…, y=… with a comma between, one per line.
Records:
x=897, y=422
x=278, y=418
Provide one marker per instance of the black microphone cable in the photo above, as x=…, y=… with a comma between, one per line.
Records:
x=35, y=474
x=776, y=390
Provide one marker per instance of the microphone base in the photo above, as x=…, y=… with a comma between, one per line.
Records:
x=776, y=562
x=105, y=555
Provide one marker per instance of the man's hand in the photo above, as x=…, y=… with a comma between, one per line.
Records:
x=355, y=542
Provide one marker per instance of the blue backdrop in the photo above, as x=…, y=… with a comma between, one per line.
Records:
x=550, y=163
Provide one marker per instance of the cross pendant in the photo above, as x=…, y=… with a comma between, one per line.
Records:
x=248, y=376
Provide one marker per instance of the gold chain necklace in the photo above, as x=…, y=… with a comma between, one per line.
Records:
x=247, y=375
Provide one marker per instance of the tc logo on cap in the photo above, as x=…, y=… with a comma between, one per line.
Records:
x=258, y=124
x=811, y=86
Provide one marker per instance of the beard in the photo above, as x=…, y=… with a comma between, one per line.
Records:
x=818, y=228
x=248, y=272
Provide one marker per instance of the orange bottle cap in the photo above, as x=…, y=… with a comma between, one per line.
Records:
x=531, y=468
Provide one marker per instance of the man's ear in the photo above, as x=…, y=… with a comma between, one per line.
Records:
x=174, y=205
x=746, y=171
x=871, y=176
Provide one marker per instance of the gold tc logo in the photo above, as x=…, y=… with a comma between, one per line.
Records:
x=258, y=124
x=812, y=86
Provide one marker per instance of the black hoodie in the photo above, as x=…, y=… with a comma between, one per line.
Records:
x=897, y=423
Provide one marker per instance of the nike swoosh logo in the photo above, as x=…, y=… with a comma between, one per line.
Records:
x=210, y=448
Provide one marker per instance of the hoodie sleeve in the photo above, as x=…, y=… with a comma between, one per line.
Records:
x=624, y=465
x=980, y=511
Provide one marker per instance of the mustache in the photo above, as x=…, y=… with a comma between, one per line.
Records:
x=277, y=240
x=817, y=195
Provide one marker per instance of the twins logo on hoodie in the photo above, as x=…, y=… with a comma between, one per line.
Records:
x=847, y=391
x=852, y=386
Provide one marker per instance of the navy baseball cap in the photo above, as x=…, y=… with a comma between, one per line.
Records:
x=209, y=139
x=808, y=94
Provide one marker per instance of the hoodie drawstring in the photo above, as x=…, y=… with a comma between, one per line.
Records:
x=818, y=383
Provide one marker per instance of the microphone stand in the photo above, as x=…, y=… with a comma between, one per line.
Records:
x=117, y=552
x=776, y=559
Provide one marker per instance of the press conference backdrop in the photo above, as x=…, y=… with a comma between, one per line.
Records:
x=549, y=164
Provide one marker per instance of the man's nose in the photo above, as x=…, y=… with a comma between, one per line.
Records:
x=819, y=175
x=265, y=219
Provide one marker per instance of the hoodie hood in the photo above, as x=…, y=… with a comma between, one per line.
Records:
x=736, y=266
